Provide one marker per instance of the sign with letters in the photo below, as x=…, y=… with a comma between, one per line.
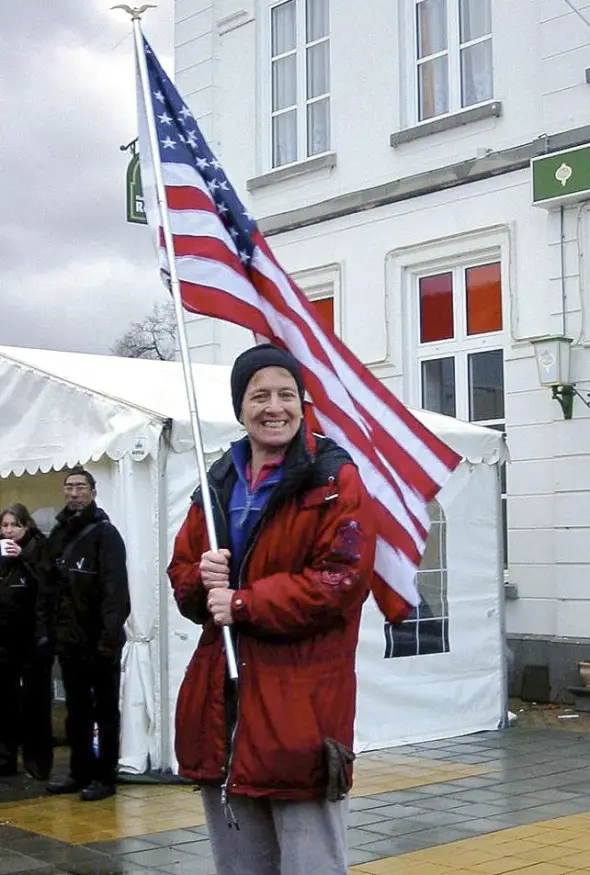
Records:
x=135, y=203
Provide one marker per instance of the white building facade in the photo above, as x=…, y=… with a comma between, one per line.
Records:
x=385, y=150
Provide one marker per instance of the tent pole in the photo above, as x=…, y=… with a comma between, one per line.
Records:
x=502, y=600
x=145, y=96
x=159, y=473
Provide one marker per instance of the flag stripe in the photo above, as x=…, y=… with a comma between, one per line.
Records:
x=239, y=313
x=186, y=197
x=216, y=251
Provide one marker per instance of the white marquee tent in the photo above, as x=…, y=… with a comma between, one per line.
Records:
x=127, y=420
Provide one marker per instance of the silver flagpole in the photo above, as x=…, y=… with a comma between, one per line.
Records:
x=136, y=14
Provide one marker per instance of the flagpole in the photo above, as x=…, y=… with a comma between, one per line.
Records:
x=230, y=655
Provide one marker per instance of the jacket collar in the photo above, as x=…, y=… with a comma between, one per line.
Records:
x=300, y=455
x=309, y=461
x=78, y=520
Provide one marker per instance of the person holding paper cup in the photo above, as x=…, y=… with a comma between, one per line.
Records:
x=25, y=660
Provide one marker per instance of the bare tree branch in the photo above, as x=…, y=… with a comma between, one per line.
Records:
x=151, y=338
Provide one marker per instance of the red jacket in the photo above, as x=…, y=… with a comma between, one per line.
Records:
x=296, y=620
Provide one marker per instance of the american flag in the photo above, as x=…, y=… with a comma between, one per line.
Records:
x=227, y=270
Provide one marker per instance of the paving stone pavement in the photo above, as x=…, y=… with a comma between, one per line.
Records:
x=512, y=801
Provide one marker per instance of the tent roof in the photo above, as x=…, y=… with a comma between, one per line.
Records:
x=64, y=408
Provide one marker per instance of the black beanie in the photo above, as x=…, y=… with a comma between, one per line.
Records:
x=254, y=359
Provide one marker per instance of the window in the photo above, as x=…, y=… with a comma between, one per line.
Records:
x=460, y=347
x=321, y=286
x=458, y=310
x=426, y=630
x=324, y=308
x=300, y=80
x=453, y=55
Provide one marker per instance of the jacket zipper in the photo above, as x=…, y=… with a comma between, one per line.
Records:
x=231, y=819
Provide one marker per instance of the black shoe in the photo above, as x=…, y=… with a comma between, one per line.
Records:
x=61, y=786
x=96, y=791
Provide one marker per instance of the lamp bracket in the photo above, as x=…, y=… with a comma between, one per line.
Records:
x=565, y=396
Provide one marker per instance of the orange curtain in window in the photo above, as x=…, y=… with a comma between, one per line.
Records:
x=436, y=307
x=324, y=308
x=484, y=298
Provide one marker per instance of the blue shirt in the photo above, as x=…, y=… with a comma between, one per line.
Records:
x=246, y=504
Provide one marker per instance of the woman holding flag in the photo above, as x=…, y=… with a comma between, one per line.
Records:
x=272, y=752
x=301, y=527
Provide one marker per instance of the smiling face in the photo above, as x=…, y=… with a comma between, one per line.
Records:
x=271, y=410
x=11, y=528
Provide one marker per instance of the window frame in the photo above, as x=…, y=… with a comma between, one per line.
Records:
x=461, y=345
x=405, y=263
x=302, y=100
x=453, y=52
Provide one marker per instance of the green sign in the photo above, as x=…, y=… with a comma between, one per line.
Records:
x=135, y=202
x=562, y=176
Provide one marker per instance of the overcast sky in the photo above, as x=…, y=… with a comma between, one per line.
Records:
x=73, y=273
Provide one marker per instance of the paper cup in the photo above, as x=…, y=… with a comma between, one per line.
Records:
x=3, y=545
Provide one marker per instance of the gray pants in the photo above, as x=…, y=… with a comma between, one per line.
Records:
x=277, y=838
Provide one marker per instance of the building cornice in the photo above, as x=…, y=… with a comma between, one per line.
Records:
x=450, y=176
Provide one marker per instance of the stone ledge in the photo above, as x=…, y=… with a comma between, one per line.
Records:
x=446, y=123
x=309, y=165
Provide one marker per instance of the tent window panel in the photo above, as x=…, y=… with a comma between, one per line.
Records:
x=426, y=630
x=421, y=635
x=433, y=591
x=435, y=514
x=432, y=557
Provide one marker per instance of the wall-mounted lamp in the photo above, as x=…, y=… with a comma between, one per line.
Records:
x=553, y=363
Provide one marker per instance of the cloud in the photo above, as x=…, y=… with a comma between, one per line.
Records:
x=73, y=273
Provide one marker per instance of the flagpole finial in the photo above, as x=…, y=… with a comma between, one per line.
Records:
x=134, y=11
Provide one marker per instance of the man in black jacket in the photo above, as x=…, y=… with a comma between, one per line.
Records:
x=84, y=613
